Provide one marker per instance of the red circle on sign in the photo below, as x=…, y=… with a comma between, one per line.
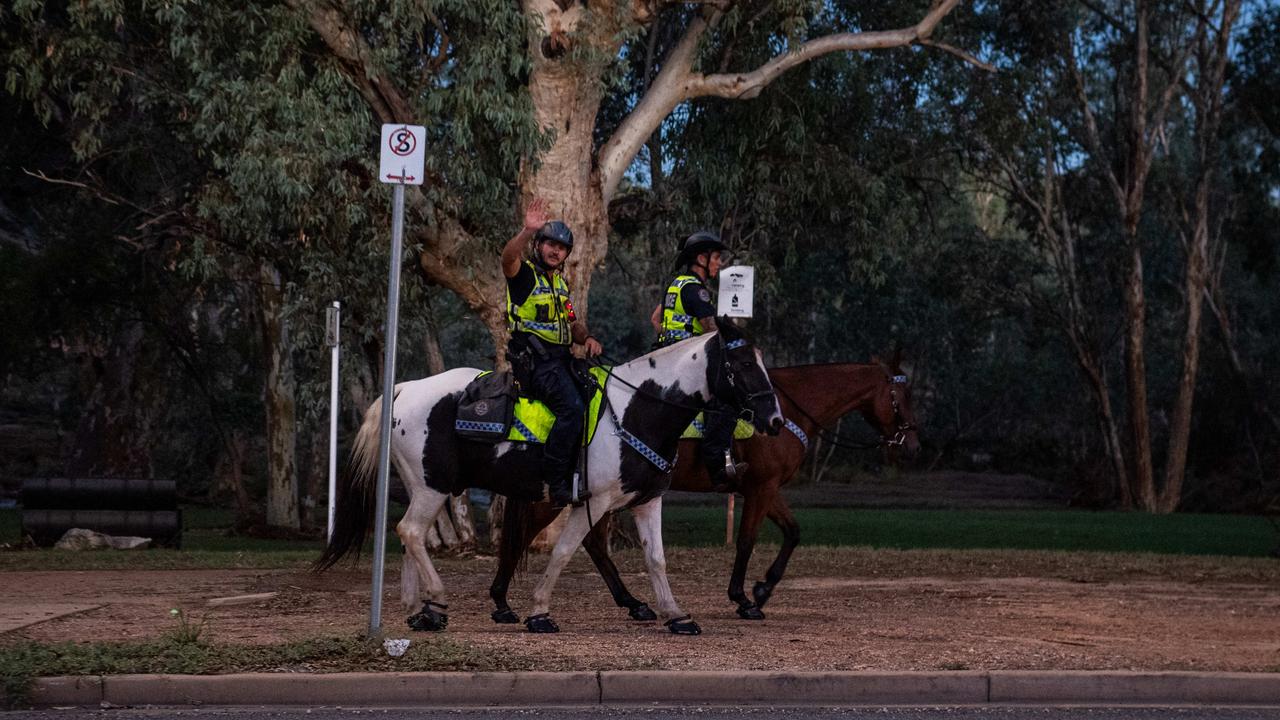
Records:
x=402, y=142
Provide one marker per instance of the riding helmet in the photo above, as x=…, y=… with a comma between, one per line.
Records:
x=555, y=231
x=696, y=244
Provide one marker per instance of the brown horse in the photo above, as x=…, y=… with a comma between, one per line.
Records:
x=812, y=398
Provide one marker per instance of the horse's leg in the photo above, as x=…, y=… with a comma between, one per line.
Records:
x=597, y=546
x=780, y=514
x=424, y=505
x=575, y=529
x=753, y=510
x=523, y=521
x=409, y=596
x=649, y=524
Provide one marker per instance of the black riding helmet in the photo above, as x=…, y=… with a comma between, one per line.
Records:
x=554, y=231
x=696, y=244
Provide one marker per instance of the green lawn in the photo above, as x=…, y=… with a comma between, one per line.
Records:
x=207, y=544
x=1187, y=534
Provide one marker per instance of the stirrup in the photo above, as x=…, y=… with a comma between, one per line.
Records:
x=726, y=480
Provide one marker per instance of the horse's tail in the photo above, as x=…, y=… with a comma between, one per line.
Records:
x=356, y=493
x=517, y=517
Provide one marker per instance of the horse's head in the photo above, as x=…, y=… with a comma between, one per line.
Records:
x=737, y=376
x=892, y=413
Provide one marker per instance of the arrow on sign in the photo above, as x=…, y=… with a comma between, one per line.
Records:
x=401, y=178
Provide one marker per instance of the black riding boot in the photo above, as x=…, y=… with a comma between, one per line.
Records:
x=556, y=388
x=718, y=439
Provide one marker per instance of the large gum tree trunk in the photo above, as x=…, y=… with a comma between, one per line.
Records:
x=566, y=96
x=282, y=475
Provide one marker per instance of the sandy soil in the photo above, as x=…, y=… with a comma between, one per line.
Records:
x=838, y=609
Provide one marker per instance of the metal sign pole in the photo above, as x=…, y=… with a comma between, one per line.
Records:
x=334, y=321
x=388, y=387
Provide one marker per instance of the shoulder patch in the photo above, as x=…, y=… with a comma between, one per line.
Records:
x=704, y=295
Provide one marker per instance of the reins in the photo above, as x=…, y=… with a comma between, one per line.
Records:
x=824, y=434
x=830, y=436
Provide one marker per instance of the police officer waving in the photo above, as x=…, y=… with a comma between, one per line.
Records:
x=543, y=329
x=686, y=311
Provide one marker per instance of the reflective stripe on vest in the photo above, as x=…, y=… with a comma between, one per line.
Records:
x=676, y=323
x=550, y=292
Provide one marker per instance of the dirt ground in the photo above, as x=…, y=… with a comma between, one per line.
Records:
x=838, y=609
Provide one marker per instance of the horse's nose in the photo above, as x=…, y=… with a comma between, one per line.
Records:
x=775, y=427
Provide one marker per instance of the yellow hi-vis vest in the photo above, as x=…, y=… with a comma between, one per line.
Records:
x=544, y=312
x=676, y=324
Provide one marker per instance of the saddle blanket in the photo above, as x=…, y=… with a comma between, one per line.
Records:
x=696, y=430
x=532, y=420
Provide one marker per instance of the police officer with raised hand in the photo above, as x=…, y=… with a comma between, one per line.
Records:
x=686, y=311
x=543, y=328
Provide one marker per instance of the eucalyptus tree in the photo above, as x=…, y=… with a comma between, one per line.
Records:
x=1126, y=105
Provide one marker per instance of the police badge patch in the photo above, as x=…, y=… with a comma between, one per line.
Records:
x=704, y=296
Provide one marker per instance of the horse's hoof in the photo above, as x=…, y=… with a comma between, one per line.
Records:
x=762, y=592
x=505, y=616
x=683, y=626
x=429, y=619
x=750, y=612
x=642, y=612
x=541, y=624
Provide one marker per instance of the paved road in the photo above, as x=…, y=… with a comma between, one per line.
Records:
x=988, y=712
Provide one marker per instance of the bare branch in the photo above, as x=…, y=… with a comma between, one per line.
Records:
x=677, y=83
x=962, y=54
x=748, y=85
x=1110, y=19
x=1092, y=137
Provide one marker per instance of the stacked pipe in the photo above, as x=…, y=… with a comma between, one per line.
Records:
x=113, y=506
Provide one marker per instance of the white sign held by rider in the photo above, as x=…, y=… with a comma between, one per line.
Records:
x=737, y=288
x=404, y=153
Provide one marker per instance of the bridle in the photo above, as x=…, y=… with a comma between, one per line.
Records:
x=896, y=440
x=743, y=394
x=903, y=427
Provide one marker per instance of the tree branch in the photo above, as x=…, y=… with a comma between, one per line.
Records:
x=677, y=83
x=748, y=85
x=962, y=54
x=1093, y=138
x=347, y=45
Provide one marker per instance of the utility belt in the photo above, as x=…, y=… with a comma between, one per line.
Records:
x=527, y=351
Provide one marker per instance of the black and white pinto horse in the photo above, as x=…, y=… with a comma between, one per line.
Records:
x=648, y=404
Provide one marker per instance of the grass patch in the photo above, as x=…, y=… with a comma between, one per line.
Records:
x=207, y=543
x=1179, y=534
x=188, y=655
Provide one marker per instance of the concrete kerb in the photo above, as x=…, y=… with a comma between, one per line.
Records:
x=526, y=689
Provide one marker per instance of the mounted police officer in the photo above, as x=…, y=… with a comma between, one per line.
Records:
x=543, y=329
x=687, y=310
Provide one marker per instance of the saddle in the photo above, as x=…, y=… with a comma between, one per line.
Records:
x=493, y=407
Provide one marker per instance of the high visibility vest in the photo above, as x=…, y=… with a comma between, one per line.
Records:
x=676, y=324
x=545, y=313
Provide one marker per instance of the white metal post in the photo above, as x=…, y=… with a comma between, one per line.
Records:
x=334, y=322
